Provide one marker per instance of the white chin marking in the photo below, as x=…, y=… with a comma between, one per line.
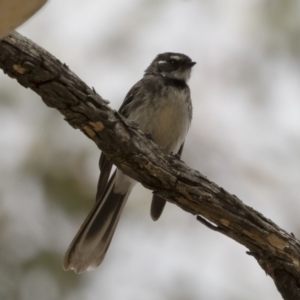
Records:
x=162, y=62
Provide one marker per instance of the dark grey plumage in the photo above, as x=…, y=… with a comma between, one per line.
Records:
x=160, y=102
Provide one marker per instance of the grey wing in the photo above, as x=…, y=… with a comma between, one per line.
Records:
x=158, y=203
x=105, y=165
x=131, y=100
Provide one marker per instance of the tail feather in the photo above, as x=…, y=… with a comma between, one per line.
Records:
x=157, y=207
x=89, y=246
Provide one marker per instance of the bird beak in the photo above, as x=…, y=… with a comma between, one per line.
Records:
x=192, y=64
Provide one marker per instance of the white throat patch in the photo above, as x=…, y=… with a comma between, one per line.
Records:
x=176, y=57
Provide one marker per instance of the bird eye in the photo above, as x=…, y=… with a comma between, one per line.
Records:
x=173, y=61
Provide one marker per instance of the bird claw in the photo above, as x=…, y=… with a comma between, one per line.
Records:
x=176, y=155
x=149, y=136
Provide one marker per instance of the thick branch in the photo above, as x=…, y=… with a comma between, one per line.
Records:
x=275, y=250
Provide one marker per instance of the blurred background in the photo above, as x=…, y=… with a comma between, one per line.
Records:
x=244, y=136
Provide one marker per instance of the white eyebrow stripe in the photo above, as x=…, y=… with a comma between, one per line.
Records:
x=176, y=57
x=162, y=62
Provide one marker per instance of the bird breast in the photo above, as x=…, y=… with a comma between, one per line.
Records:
x=166, y=117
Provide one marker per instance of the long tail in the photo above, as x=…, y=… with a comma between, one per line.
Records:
x=89, y=246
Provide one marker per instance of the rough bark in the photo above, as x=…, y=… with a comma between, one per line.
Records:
x=276, y=251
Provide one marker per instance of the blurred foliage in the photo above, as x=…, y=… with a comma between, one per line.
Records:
x=282, y=25
x=244, y=136
x=50, y=262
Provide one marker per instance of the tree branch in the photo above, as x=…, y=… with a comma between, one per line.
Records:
x=276, y=251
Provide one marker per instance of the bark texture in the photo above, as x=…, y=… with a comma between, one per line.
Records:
x=276, y=251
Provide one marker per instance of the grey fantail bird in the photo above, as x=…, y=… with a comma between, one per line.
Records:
x=161, y=104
